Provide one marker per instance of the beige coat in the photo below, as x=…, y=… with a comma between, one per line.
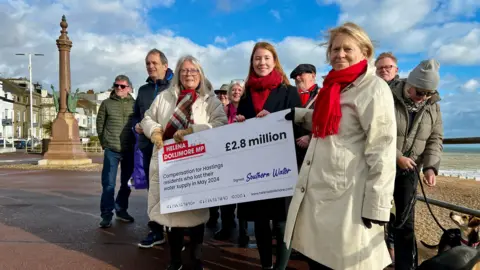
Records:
x=346, y=177
x=425, y=138
x=207, y=113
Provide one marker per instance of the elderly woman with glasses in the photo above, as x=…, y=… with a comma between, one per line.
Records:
x=187, y=106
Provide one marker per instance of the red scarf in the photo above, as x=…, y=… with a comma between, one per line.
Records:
x=305, y=95
x=260, y=87
x=185, y=92
x=327, y=112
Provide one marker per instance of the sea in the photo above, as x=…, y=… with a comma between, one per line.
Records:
x=461, y=161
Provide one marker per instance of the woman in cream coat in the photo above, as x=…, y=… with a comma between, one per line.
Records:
x=346, y=182
x=191, y=94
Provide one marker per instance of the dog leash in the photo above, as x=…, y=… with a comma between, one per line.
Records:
x=426, y=201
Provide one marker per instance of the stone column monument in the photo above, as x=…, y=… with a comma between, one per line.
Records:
x=65, y=147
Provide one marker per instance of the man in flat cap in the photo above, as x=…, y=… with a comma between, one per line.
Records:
x=305, y=80
x=222, y=94
x=419, y=147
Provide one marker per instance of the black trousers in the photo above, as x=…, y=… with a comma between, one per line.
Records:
x=263, y=235
x=390, y=232
x=227, y=214
x=175, y=241
x=406, y=255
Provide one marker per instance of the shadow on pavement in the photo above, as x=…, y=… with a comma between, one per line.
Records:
x=62, y=208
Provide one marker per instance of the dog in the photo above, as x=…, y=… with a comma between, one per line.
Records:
x=467, y=234
x=457, y=258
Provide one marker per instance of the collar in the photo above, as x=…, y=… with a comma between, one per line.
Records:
x=168, y=77
x=466, y=243
x=308, y=90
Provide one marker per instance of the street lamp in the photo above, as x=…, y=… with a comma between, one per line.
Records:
x=30, y=86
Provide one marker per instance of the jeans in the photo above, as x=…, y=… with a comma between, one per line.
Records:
x=111, y=160
x=175, y=241
x=263, y=235
x=406, y=256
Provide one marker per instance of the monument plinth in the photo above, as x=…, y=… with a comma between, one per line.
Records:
x=65, y=147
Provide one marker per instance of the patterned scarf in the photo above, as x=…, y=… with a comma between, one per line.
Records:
x=182, y=116
x=412, y=106
x=327, y=112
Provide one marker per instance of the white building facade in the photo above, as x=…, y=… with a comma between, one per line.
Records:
x=6, y=113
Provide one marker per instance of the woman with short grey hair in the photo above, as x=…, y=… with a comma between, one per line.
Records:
x=188, y=106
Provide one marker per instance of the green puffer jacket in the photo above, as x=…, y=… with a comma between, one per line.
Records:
x=424, y=142
x=114, y=123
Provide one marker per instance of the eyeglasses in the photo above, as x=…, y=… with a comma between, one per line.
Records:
x=191, y=71
x=388, y=67
x=424, y=93
x=122, y=86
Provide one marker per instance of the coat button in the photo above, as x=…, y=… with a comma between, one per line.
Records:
x=308, y=162
x=302, y=189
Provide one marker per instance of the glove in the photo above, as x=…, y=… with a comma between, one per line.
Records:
x=289, y=116
x=368, y=222
x=179, y=134
x=157, y=138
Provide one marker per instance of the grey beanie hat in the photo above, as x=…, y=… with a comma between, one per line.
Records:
x=425, y=75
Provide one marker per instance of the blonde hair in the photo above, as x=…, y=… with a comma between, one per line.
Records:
x=230, y=88
x=356, y=33
x=203, y=88
x=278, y=67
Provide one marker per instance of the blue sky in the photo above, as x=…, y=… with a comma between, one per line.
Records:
x=112, y=37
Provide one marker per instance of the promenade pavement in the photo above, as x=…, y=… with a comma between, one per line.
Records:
x=49, y=220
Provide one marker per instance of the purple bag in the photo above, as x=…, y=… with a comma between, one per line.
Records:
x=138, y=175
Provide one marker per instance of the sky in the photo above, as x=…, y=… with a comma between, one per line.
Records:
x=112, y=37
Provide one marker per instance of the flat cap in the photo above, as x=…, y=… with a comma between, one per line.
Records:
x=303, y=68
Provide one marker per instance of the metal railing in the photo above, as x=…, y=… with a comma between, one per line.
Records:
x=447, y=205
x=92, y=147
x=450, y=206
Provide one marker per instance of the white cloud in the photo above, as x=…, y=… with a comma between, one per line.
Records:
x=276, y=14
x=104, y=47
x=418, y=26
x=461, y=51
x=471, y=85
x=221, y=40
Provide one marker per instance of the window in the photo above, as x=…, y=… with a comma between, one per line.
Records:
x=18, y=117
x=34, y=117
x=6, y=113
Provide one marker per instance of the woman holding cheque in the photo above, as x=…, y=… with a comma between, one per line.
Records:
x=346, y=182
x=188, y=106
x=267, y=90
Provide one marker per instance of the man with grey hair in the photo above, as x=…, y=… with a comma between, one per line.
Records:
x=114, y=122
x=159, y=77
x=419, y=147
